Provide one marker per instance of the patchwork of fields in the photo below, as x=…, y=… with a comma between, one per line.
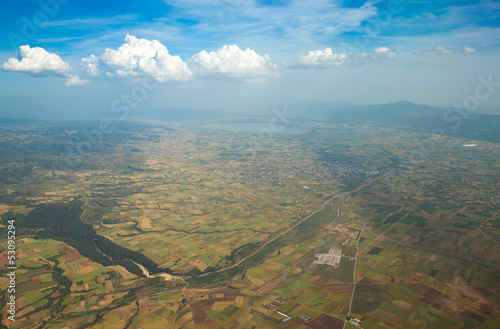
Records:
x=238, y=220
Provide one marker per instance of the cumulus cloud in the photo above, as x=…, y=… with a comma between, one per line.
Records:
x=74, y=80
x=386, y=53
x=469, y=50
x=321, y=58
x=91, y=65
x=38, y=62
x=142, y=57
x=440, y=50
x=231, y=61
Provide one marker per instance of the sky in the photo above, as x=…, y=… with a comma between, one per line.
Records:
x=75, y=59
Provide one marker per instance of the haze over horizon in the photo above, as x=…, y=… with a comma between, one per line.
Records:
x=74, y=59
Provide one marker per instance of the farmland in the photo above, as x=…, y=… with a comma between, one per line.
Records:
x=234, y=221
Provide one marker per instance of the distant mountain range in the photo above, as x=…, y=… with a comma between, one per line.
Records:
x=411, y=116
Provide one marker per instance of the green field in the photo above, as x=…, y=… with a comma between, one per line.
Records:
x=239, y=223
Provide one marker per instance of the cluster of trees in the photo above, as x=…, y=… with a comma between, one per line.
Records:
x=62, y=221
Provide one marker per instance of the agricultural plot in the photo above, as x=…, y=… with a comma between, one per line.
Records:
x=57, y=278
x=429, y=246
x=238, y=222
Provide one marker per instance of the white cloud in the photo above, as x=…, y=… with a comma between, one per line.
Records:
x=91, y=66
x=440, y=50
x=233, y=62
x=74, y=80
x=38, y=62
x=321, y=58
x=142, y=57
x=385, y=52
x=295, y=20
x=469, y=50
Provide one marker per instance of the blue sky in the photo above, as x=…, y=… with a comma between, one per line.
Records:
x=72, y=59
